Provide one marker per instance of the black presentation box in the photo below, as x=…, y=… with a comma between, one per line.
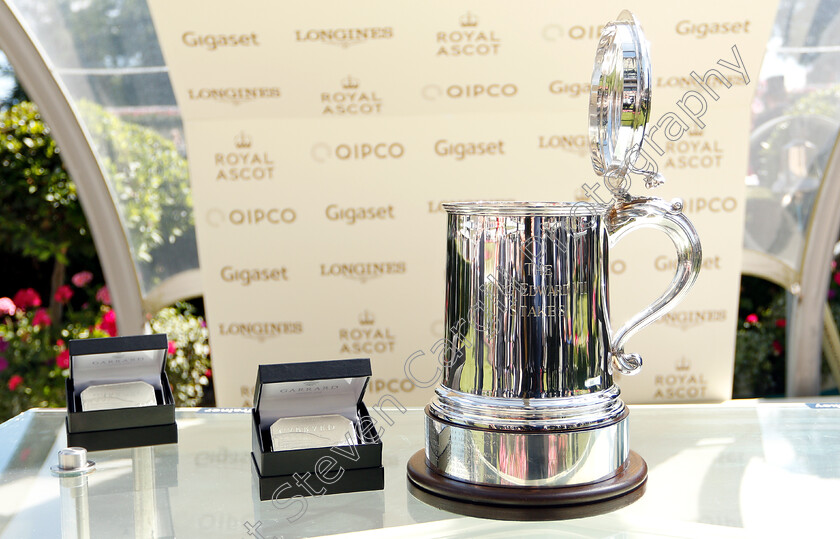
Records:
x=114, y=360
x=310, y=389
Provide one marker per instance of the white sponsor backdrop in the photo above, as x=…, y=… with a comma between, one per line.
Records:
x=323, y=135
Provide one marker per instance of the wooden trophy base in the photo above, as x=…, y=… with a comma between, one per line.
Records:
x=527, y=503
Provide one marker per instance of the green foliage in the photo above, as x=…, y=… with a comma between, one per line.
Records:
x=149, y=177
x=188, y=362
x=41, y=216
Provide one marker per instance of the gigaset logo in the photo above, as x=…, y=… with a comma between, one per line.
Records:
x=234, y=96
x=344, y=37
x=212, y=42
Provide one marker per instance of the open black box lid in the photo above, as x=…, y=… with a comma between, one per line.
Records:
x=309, y=389
x=113, y=360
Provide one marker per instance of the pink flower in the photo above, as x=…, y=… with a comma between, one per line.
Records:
x=752, y=318
x=15, y=381
x=781, y=323
x=777, y=347
x=171, y=347
x=837, y=278
x=63, y=359
x=109, y=323
x=82, y=278
x=103, y=296
x=63, y=294
x=41, y=318
x=4, y=364
x=3, y=344
x=208, y=373
x=26, y=298
x=7, y=306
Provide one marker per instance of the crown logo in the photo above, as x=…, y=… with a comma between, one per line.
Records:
x=468, y=19
x=683, y=364
x=349, y=83
x=366, y=319
x=695, y=132
x=242, y=140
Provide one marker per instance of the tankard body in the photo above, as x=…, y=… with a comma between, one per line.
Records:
x=529, y=346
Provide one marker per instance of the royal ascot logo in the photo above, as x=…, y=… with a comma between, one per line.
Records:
x=569, y=89
x=577, y=32
x=362, y=271
x=234, y=96
x=247, y=276
x=366, y=337
x=573, y=144
x=682, y=384
x=359, y=151
x=243, y=163
x=260, y=331
x=688, y=319
x=463, y=150
x=350, y=100
x=468, y=39
x=344, y=37
x=214, y=42
x=217, y=217
x=694, y=153
x=492, y=90
x=352, y=215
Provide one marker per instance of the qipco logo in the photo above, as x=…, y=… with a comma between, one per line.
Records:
x=470, y=91
x=252, y=216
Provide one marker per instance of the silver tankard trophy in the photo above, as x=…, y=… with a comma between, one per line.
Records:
x=527, y=412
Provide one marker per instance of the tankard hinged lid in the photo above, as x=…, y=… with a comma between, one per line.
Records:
x=619, y=99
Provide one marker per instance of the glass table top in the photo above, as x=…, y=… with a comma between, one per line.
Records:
x=740, y=469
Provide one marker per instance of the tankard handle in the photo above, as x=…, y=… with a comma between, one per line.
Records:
x=633, y=214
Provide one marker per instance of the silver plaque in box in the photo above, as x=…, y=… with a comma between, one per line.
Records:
x=308, y=432
x=119, y=395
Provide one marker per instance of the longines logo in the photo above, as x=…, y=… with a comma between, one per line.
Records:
x=577, y=32
x=468, y=40
x=569, y=89
x=689, y=319
x=251, y=216
x=212, y=42
x=666, y=263
x=432, y=92
x=260, y=330
x=243, y=164
x=688, y=82
x=362, y=271
x=682, y=384
x=344, y=37
x=353, y=215
x=234, y=96
x=461, y=150
x=575, y=144
x=350, y=99
x=359, y=151
x=366, y=337
x=246, y=276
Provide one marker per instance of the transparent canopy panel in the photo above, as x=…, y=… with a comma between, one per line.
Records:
x=796, y=118
x=106, y=56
